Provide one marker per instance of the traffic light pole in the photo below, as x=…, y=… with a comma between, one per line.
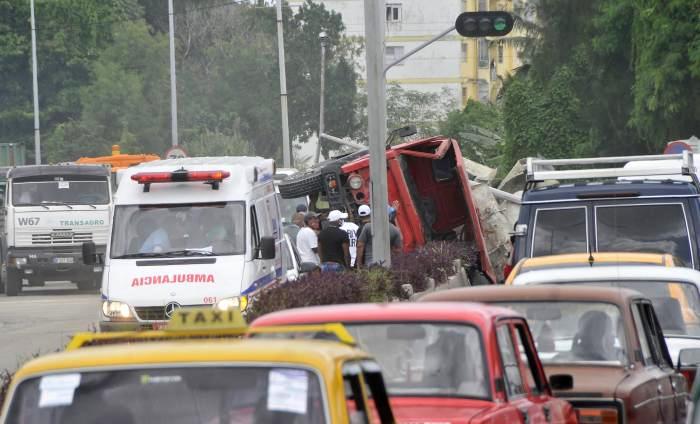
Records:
x=375, y=13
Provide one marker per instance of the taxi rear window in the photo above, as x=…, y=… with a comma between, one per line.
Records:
x=214, y=395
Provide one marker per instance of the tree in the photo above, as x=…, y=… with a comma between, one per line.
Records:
x=479, y=130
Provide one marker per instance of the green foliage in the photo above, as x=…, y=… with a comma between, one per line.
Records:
x=423, y=109
x=478, y=128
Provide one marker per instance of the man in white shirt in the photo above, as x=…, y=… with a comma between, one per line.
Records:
x=351, y=228
x=307, y=239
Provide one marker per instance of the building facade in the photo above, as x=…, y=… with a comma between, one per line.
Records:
x=467, y=68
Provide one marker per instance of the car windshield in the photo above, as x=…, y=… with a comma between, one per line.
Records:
x=677, y=304
x=179, y=230
x=206, y=395
x=570, y=332
x=426, y=359
x=65, y=191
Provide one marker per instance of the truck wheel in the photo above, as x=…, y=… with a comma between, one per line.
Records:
x=13, y=285
x=301, y=184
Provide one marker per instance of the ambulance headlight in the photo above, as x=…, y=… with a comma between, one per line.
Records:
x=116, y=310
x=232, y=303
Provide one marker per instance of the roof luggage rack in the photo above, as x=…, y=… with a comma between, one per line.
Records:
x=544, y=169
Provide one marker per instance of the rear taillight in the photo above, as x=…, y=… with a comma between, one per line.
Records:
x=689, y=374
x=597, y=415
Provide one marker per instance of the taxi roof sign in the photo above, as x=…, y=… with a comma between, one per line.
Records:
x=206, y=319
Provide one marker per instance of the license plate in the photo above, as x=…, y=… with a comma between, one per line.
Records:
x=63, y=260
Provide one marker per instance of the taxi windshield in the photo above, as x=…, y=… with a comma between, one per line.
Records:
x=569, y=332
x=178, y=230
x=677, y=304
x=206, y=395
x=426, y=359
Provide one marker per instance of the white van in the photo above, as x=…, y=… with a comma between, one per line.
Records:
x=189, y=232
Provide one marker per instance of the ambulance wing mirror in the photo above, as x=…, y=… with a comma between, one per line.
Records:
x=89, y=253
x=266, y=248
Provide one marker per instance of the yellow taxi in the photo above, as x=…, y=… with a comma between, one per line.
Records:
x=589, y=260
x=200, y=370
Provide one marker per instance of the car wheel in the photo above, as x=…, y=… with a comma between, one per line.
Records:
x=301, y=184
x=13, y=285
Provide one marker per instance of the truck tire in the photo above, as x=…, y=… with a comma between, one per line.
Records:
x=301, y=184
x=13, y=285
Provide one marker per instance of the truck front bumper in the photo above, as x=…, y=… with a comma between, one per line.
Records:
x=53, y=263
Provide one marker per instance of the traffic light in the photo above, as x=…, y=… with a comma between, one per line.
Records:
x=484, y=24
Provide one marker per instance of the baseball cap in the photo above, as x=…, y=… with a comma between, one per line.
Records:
x=309, y=216
x=302, y=208
x=336, y=215
x=364, y=210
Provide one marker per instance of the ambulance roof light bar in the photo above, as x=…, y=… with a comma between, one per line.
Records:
x=181, y=175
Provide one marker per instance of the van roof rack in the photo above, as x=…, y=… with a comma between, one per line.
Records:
x=544, y=169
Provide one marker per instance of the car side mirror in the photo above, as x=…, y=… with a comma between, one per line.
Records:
x=266, y=248
x=688, y=362
x=561, y=382
x=89, y=253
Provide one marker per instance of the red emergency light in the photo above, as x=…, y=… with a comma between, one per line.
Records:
x=181, y=175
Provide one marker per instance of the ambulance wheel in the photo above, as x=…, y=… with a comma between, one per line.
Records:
x=301, y=184
x=13, y=285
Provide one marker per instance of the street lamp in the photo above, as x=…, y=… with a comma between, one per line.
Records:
x=323, y=37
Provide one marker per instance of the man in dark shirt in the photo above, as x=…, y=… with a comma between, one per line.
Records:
x=334, y=244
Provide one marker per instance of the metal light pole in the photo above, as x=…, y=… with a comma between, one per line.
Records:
x=35, y=89
x=375, y=15
x=286, y=147
x=321, y=127
x=173, y=83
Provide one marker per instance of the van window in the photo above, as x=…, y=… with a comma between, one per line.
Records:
x=653, y=228
x=560, y=231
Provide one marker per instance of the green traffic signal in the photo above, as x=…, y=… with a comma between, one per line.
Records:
x=484, y=24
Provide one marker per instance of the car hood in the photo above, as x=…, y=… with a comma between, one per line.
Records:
x=412, y=410
x=589, y=380
x=186, y=281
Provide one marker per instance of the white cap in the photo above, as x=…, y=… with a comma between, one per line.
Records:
x=364, y=210
x=336, y=215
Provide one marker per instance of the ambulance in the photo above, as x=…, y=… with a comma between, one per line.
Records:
x=189, y=232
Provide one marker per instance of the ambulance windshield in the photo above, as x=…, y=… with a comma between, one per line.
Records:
x=199, y=229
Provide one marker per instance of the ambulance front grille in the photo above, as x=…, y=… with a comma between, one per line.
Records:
x=155, y=313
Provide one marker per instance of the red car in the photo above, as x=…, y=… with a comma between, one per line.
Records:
x=449, y=363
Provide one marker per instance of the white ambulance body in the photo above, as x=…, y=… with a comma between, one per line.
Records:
x=188, y=232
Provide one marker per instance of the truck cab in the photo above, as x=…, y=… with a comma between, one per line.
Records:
x=49, y=211
x=190, y=232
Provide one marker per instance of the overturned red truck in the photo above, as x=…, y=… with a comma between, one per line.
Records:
x=427, y=178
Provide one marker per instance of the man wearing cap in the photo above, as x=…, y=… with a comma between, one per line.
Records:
x=334, y=244
x=307, y=240
x=353, y=231
x=364, y=241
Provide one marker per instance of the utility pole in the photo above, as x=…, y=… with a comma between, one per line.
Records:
x=173, y=82
x=375, y=15
x=286, y=146
x=321, y=125
x=35, y=89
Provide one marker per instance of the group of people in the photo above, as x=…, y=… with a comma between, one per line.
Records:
x=337, y=243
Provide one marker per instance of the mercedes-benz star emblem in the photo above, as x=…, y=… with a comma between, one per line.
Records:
x=170, y=309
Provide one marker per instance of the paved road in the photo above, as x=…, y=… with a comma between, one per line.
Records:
x=42, y=319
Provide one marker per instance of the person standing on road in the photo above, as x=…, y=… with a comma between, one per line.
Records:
x=364, y=212
x=334, y=244
x=352, y=230
x=364, y=243
x=307, y=239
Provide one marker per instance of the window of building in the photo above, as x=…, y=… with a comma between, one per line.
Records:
x=483, y=5
x=465, y=51
x=392, y=53
x=500, y=52
x=393, y=12
x=465, y=95
x=483, y=53
x=483, y=90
